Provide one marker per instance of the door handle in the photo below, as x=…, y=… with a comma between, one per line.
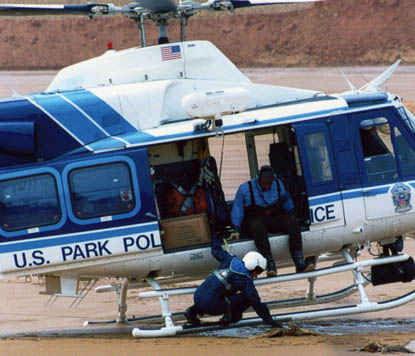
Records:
x=151, y=215
x=370, y=193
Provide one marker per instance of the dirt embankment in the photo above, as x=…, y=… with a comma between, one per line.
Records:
x=337, y=32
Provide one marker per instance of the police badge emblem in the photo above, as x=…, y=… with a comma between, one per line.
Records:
x=401, y=195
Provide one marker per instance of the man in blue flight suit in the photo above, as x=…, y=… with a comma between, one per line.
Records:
x=230, y=290
x=263, y=206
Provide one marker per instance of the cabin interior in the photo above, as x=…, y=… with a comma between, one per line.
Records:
x=201, y=176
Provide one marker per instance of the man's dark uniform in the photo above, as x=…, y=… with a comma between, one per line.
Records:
x=256, y=212
x=214, y=297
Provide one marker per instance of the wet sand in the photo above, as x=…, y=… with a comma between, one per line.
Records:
x=344, y=345
x=22, y=309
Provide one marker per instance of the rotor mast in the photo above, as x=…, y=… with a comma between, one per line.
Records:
x=141, y=30
x=182, y=11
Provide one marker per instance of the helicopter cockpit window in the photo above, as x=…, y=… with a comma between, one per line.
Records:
x=29, y=202
x=406, y=154
x=379, y=156
x=102, y=190
x=318, y=157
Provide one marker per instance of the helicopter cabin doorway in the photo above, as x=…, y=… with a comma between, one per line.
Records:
x=195, y=181
x=245, y=153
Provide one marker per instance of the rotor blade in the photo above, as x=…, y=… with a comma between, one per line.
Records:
x=32, y=9
x=157, y=6
x=375, y=84
x=247, y=3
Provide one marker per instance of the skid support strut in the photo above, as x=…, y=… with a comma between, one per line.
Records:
x=164, y=303
x=170, y=329
x=310, y=293
x=122, y=302
x=358, y=279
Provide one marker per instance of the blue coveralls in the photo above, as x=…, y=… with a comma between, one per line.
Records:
x=210, y=296
x=253, y=213
x=264, y=199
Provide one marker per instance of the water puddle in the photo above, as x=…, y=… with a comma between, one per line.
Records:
x=331, y=327
x=324, y=327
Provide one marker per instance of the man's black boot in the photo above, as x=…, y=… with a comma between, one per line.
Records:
x=226, y=319
x=300, y=265
x=271, y=267
x=191, y=315
x=275, y=324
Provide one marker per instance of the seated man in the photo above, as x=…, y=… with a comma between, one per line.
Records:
x=230, y=290
x=263, y=206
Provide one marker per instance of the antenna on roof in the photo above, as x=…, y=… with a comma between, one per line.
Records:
x=14, y=91
x=349, y=83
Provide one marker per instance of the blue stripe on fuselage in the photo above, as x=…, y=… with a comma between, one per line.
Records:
x=70, y=117
x=99, y=111
x=76, y=238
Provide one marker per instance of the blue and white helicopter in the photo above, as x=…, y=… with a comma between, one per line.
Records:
x=87, y=169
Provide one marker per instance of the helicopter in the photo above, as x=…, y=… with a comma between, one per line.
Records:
x=86, y=167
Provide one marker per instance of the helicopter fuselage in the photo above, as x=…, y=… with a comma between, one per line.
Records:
x=78, y=192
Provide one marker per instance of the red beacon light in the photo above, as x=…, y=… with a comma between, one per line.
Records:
x=109, y=46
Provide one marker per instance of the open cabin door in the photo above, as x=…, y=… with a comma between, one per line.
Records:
x=323, y=151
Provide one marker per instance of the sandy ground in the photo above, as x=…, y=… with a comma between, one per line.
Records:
x=23, y=310
x=314, y=346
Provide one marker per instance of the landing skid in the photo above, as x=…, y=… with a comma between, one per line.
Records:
x=315, y=314
x=170, y=329
x=276, y=304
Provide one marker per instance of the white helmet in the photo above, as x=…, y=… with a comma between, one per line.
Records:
x=253, y=260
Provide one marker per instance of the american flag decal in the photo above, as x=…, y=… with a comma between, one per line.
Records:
x=170, y=52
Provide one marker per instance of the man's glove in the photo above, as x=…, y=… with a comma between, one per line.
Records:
x=234, y=235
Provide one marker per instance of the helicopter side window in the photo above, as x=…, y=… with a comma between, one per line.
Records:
x=318, y=157
x=406, y=154
x=29, y=202
x=102, y=190
x=379, y=156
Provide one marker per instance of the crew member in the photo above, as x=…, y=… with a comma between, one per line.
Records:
x=263, y=206
x=230, y=290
